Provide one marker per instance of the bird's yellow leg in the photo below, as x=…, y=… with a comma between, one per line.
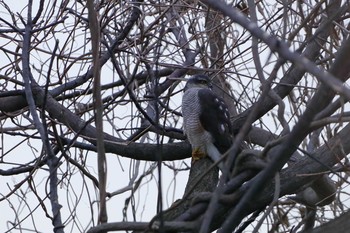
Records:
x=197, y=154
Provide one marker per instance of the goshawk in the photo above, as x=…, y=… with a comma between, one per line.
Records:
x=206, y=119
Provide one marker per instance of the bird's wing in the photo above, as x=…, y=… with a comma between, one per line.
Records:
x=215, y=118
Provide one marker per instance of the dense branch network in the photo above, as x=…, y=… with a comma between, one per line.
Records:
x=280, y=67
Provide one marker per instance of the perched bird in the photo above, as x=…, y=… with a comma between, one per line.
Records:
x=206, y=119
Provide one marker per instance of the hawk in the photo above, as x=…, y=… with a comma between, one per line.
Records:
x=206, y=119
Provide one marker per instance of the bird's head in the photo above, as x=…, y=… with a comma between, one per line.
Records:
x=198, y=81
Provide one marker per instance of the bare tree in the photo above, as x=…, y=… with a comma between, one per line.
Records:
x=91, y=124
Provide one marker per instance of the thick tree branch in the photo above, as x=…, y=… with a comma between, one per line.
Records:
x=142, y=226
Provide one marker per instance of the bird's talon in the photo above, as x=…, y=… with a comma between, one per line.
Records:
x=197, y=155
